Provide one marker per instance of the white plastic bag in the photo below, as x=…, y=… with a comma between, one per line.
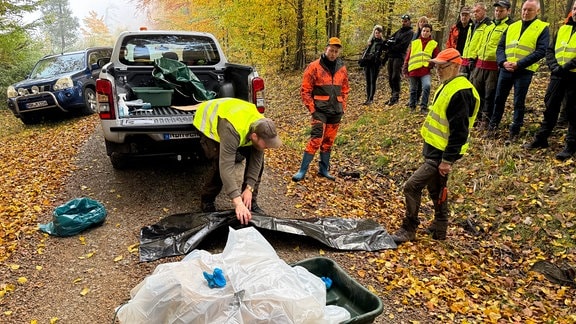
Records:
x=260, y=288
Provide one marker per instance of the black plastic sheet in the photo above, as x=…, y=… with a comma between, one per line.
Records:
x=179, y=234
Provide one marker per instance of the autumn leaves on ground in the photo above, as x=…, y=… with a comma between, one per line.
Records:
x=510, y=207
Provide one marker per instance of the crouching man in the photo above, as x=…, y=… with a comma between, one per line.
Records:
x=228, y=126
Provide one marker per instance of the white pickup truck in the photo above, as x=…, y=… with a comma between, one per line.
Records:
x=149, y=125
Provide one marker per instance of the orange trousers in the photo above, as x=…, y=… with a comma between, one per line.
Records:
x=322, y=136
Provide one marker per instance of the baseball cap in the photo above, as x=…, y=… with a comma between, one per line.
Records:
x=466, y=9
x=266, y=130
x=447, y=55
x=503, y=4
x=335, y=41
x=405, y=16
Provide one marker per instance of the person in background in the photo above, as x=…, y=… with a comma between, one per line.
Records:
x=460, y=31
x=374, y=52
x=520, y=49
x=229, y=126
x=561, y=59
x=421, y=21
x=470, y=48
x=417, y=67
x=324, y=92
x=446, y=134
x=397, y=47
x=484, y=75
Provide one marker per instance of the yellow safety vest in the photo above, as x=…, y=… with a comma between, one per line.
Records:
x=472, y=45
x=418, y=57
x=241, y=114
x=491, y=38
x=519, y=46
x=565, y=49
x=436, y=128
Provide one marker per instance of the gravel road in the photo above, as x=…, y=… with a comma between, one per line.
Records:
x=82, y=279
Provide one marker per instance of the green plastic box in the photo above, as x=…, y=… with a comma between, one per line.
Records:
x=345, y=292
x=156, y=96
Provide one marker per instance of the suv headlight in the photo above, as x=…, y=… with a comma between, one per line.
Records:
x=11, y=92
x=64, y=83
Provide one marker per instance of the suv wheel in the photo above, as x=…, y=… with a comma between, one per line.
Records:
x=119, y=161
x=30, y=118
x=89, y=102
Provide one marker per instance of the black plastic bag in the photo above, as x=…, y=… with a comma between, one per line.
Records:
x=180, y=233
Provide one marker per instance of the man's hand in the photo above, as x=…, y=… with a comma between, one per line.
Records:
x=444, y=168
x=242, y=212
x=510, y=66
x=247, y=197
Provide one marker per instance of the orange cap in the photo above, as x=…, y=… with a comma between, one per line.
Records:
x=335, y=41
x=447, y=55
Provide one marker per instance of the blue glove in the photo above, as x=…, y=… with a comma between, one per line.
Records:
x=215, y=280
x=327, y=282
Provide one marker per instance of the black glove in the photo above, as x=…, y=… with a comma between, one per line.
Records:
x=471, y=64
x=557, y=71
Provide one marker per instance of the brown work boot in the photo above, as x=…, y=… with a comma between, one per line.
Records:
x=438, y=230
x=402, y=235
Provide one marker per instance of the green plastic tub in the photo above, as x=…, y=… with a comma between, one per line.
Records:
x=345, y=292
x=156, y=96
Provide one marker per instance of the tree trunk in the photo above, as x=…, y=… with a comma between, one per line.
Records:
x=513, y=10
x=330, y=18
x=543, y=15
x=439, y=34
x=390, y=13
x=300, y=61
x=339, y=18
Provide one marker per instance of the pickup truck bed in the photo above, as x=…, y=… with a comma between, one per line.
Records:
x=164, y=130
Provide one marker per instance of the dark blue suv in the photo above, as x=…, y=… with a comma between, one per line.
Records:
x=63, y=82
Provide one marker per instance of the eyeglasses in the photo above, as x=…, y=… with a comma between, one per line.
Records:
x=443, y=66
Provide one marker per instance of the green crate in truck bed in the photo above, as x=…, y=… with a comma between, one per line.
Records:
x=345, y=292
x=156, y=96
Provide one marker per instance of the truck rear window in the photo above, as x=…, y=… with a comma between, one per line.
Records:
x=190, y=50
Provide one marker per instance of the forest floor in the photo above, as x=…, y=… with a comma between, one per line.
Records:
x=510, y=208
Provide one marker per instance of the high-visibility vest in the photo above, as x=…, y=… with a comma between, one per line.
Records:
x=490, y=39
x=241, y=114
x=419, y=57
x=519, y=46
x=565, y=48
x=436, y=129
x=472, y=45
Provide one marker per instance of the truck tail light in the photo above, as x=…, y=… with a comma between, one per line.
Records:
x=258, y=94
x=105, y=99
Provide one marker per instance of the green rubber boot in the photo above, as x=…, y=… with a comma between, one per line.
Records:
x=306, y=159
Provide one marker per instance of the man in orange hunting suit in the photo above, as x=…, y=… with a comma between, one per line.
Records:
x=324, y=92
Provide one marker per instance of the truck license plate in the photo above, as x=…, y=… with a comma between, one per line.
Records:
x=37, y=104
x=180, y=136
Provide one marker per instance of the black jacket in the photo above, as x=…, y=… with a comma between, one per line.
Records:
x=401, y=40
x=375, y=50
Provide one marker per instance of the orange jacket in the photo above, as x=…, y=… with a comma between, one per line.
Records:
x=454, y=40
x=323, y=92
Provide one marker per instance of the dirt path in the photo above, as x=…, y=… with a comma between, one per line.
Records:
x=98, y=262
